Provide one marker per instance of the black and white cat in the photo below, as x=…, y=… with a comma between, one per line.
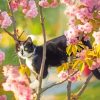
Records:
x=55, y=54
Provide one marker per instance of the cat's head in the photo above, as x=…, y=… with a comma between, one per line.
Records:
x=25, y=49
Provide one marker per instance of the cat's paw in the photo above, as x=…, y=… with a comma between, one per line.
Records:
x=34, y=84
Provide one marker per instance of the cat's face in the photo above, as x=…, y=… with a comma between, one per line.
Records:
x=25, y=49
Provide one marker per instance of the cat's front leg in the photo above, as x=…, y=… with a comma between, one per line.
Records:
x=34, y=82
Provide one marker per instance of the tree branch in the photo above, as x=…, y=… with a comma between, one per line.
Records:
x=13, y=18
x=44, y=54
x=69, y=90
x=84, y=85
x=14, y=36
x=58, y=83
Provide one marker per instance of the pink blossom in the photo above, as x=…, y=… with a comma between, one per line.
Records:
x=54, y=4
x=98, y=16
x=86, y=28
x=3, y=97
x=64, y=75
x=95, y=64
x=71, y=35
x=44, y=3
x=2, y=56
x=17, y=83
x=92, y=4
x=23, y=3
x=31, y=13
x=31, y=9
x=72, y=21
x=66, y=1
x=84, y=15
x=14, y=5
x=71, y=10
x=6, y=20
x=96, y=35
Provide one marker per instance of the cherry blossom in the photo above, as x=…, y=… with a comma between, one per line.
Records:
x=14, y=5
x=46, y=4
x=28, y=7
x=5, y=20
x=17, y=83
x=92, y=4
x=96, y=35
x=3, y=97
x=72, y=35
x=31, y=10
x=86, y=28
x=63, y=75
x=95, y=64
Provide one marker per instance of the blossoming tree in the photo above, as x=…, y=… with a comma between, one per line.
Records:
x=84, y=24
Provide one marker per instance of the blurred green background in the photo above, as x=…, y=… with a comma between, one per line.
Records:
x=55, y=24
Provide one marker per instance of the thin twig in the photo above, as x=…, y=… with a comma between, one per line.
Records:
x=15, y=38
x=84, y=85
x=20, y=35
x=69, y=90
x=44, y=54
x=13, y=18
x=57, y=83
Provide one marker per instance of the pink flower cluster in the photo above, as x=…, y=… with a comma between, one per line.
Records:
x=46, y=4
x=2, y=56
x=17, y=83
x=86, y=28
x=96, y=35
x=80, y=20
x=72, y=35
x=5, y=20
x=28, y=7
x=92, y=4
x=3, y=97
x=64, y=74
x=95, y=64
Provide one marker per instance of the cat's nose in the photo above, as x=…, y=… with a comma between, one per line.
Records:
x=22, y=52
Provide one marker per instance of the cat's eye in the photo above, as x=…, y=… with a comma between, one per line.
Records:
x=25, y=49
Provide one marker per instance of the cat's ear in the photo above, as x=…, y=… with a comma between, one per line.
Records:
x=29, y=40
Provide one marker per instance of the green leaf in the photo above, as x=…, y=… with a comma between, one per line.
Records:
x=89, y=62
x=59, y=69
x=69, y=50
x=82, y=67
x=76, y=63
x=74, y=49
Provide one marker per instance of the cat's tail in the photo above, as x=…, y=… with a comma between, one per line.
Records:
x=96, y=73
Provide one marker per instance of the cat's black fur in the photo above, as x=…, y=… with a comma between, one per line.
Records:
x=55, y=54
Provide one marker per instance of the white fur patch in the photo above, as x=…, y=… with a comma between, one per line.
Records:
x=29, y=63
x=34, y=84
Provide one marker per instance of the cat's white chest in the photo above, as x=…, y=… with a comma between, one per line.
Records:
x=29, y=63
